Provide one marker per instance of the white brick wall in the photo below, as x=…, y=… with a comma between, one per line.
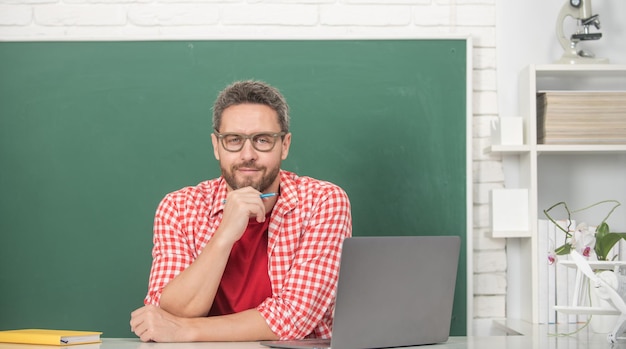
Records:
x=208, y=19
x=79, y=15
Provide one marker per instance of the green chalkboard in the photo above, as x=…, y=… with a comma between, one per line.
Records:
x=94, y=134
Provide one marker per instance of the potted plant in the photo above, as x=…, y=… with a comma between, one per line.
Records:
x=592, y=244
x=600, y=241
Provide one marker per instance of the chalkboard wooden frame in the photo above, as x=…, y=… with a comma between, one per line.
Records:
x=93, y=134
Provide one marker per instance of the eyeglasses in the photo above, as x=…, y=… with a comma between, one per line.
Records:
x=262, y=141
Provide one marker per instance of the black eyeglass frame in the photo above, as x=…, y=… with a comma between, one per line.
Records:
x=250, y=137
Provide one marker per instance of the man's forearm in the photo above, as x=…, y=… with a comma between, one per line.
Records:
x=191, y=293
x=151, y=323
x=247, y=325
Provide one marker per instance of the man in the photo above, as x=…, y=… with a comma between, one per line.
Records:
x=253, y=254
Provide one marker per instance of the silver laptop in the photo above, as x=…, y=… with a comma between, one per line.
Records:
x=392, y=291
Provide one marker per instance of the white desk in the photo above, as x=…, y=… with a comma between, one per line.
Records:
x=500, y=342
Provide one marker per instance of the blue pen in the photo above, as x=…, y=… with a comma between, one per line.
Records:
x=263, y=196
x=268, y=195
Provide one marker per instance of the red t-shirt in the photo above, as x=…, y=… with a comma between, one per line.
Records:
x=246, y=282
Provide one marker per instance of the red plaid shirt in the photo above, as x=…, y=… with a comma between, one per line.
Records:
x=307, y=227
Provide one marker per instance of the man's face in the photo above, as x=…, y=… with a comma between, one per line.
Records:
x=249, y=166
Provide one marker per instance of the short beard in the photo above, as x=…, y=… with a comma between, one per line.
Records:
x=266, y=180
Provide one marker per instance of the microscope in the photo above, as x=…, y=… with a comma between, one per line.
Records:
x=580, y=10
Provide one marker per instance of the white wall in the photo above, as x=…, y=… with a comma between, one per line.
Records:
x=527, y=35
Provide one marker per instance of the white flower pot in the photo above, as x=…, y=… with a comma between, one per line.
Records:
x=603, y=323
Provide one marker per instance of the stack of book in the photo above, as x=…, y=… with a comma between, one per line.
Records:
x=581, y=117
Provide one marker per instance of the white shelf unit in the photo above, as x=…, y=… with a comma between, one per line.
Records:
x=554, y=173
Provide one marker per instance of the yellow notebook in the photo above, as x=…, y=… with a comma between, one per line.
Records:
x=49, y=337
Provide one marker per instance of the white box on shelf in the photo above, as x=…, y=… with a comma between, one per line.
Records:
x=509, y=213
x=507, y=131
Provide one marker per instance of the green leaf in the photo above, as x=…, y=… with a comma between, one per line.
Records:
x=605, y=243
x=565, y=249
x=602, y=230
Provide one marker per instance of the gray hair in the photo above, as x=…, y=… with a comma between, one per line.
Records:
x=250, y=91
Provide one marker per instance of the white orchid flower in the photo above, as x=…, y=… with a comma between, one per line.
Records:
x=584, y=239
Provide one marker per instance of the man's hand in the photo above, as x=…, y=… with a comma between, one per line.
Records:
x=241, y=205
x=151, y=323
